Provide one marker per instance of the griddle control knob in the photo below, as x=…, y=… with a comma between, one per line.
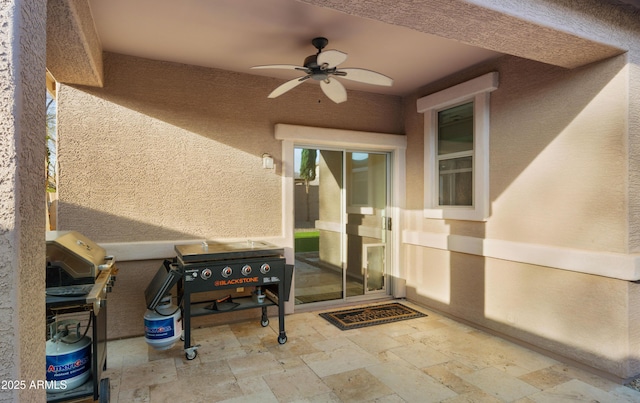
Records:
x=206, y=274
x=264, y=269
x=226, y=272
x=246, y=270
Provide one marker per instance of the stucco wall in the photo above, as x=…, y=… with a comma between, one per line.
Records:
x=557, y=156
x=22, y=198
x=558, y=168
x=168, y=151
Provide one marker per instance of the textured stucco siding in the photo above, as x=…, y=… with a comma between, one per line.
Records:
x=557, y=32
x=559, y=177
x=168, y=151
x=22, y=197
x=557, y=157
x=564, y=173
x=633, y=140
x=74, y=51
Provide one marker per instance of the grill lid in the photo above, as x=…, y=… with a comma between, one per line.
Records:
x=210, y=251
x=76, y=254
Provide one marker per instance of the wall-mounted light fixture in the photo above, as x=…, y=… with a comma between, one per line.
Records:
x=267, y=161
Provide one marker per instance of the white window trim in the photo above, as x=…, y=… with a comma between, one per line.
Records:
x=476, y=90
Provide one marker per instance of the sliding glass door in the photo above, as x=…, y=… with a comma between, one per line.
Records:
x=341, y=224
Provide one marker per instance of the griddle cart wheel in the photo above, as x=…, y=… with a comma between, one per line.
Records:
x=105, y=391
x=191, y=355
x=282, y=338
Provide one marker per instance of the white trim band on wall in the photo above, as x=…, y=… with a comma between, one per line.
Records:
x=614, y=265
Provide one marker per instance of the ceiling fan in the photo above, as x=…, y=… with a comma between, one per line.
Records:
x=323, y=67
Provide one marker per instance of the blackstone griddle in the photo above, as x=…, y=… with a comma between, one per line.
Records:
x=214, y=251
x=211, y=266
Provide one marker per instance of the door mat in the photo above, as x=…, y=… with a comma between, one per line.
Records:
x=370, y=315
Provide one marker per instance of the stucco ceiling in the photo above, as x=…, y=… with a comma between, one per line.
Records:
x=237, y=34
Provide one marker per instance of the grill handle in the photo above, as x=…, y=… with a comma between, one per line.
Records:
x=106, y=266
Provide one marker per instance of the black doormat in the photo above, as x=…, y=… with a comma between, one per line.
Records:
x=370, y=315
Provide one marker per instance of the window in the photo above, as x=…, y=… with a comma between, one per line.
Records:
x=455, y=156
x=457, y=150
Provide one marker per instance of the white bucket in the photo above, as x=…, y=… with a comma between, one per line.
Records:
x=68, y=361
x=163, y=327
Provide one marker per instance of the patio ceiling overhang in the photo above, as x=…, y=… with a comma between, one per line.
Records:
x=79, y=30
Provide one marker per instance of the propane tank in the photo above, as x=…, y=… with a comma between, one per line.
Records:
x=68, y=357
x=163, y=326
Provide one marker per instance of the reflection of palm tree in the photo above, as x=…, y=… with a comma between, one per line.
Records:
x=308, y=172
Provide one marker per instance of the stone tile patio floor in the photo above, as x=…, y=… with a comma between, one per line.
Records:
x=430, y=359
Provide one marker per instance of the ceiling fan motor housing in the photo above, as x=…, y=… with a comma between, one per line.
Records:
x=319, y=43
x=317, y=72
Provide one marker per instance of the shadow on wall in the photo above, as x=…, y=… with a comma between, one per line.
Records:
x=180, y=147
x=537, y=103
x=232, y=108
x=557, y=169
x=148, y=228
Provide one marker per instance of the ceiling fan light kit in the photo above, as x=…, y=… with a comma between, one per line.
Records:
x=322, y=67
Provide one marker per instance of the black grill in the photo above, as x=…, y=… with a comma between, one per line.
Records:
x=211, y=266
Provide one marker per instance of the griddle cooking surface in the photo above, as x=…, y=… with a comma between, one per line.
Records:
x=202, y=252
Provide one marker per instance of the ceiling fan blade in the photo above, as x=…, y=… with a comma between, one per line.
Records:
x=281, y=66
x=331, y=57
x=366, y=76
x=289, y=85
x=334, y=90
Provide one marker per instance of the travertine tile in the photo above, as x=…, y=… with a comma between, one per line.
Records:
x=586, y=377
x=138, y=395
x=476, y=396
x=296, y=385
x=324, y=364
x=211, y=353
x=215, y=369
x=256, y=364
x=357, y=386
x=420, y=355
x=441, y=374
x=410, y=383
x=500, y=384
x=294, y=347
x=254, y=386
x=575, y=390
x=422, y=360
x=151, y=373
x=375, y=342
x=545, y=378
x=196, y=390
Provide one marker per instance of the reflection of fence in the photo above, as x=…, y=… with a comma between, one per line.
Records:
x=307, y=206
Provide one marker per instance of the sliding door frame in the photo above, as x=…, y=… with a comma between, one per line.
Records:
x=293, y=136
